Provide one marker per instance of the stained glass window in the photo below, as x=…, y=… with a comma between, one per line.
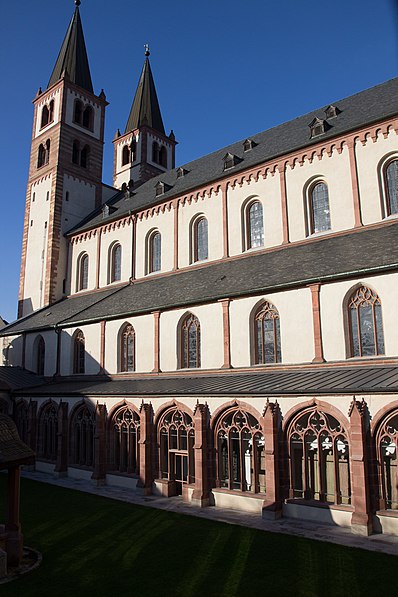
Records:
x=392, y=187
x=79, y=353
x=319, y=208
x=190, y=342
x=127, y=349
x=200, y=240
x=255, y=225
x=116, y=263
x=366, y=327
x=155, y=252
x=83, y=273
x=267, y=335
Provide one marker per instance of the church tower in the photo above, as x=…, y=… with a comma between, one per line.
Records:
x=144, y=150
x=65, y=173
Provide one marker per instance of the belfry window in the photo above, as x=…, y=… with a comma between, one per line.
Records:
x=78, y=112
x=240, y=447
x=43, y=154
x=365, y=323
x=391, y=187
x=125, y=155
x=127, y=349
x=155, y=152
x=79, y=352
x=267, y=341
x=163, y=156
x=190, y=342
x=84, y=156
x=76, y=152
x=176, y=437
x=319, y=459
x=319, y=211
x=87, y=119
x=125, y=437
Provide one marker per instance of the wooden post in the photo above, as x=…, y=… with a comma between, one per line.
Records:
x=144, y=484
x=200, y=495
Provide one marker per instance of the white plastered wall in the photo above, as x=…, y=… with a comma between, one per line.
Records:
x=371, y=184
x=11, y=350
x=296, y=327
x=50, y=340
x=70, y=103
x=131, y=170
x=56, y=96
x=92, y=335
x=267, y=191
x=211, y=336
x=335, y=171
x=88, y=246
x=164, y=223
x=332, y=321
x=150, y=140
x=144, y=343
x=81, y=201
x=123, y=236
x=211, y=209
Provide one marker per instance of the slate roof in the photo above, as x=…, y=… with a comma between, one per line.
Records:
x=364, y=108
x=73, y=56
x=355, y=254
x=319, y=380
x=145, y=109
x=14, y=378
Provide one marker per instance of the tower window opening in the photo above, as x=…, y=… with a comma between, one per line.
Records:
x=87, y=120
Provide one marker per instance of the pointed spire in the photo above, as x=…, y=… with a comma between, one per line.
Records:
x=72, y=57
x=145, y=109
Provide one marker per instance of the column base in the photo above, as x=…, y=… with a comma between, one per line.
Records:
x=14, y=545
x=361, y=524
x=271, y=511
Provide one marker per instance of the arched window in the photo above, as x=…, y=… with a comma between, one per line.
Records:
x=125, y=155
x=82, y=437
x=84, y=156
x=21, y=419
x=387, y=442
x=163, y=156
x=318, y=207
x=41, y=156
x=154, y=252
x=391, y=187
x=76, y=152
x=47, y=156
x=240, y=452
x=319, y=458
x=78, y=111
x=79, y=352
x=199, y=236
x=267, y=340
x=82, y=272
x=51, y=112
x=127, y=349
x=155, y=152
x=45, y=116
x=48, y=430
x=87, y=120
x=125, y=437
x=40, y=355
x=115, y=263
x=254, y=225
x=176, y=438
x=133, y=148
x=190, y=342
x=365, y=323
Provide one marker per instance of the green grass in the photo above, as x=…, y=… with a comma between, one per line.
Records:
x=97, y=546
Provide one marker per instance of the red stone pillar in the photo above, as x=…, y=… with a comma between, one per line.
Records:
x=32, y=425
x=361, y=520
x=14, y=540
x=226, y=333
x=224, y=192
x=201, y=417
x=144, y=485
x=316, y=320
x=58, y=357
x=61, y=466
x=99, y=474
x=156, y=347
x=354, y=183
x=272, y=505
x=285, y=220
x=175, y=209
x=102, y=347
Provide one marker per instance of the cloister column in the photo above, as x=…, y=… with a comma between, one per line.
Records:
x=14, y=540
x=201, y=417
x=99, y=473
x=32, y=424
x=61, y=466
x=361, y=520
x=272, y=505
x=144, y=484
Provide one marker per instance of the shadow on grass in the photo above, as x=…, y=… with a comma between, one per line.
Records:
x=97, y=546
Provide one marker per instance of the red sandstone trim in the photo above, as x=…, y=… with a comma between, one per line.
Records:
x=316, y=319
x=354, y=182
x=97, y=271
x=156, y=347
x=226, y=333
x=285, y=221
x=102, y=347
x=175, y=207
x=224, y=189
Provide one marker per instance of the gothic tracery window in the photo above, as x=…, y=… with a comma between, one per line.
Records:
x=190, y=342
x=240, y=452
x=387, y=442
x=365, y=322
x=176, y=437
x=319, y=211
x=48, y=429
x=319, y=458
x=254, y=225
x=125, y=436
x=82, y=437
x=391, y=187
x=79, y=352
x=127, y=349
x=267, y=340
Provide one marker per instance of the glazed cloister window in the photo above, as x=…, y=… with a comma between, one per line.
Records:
x=241, y=452
x=391, y=184
x=176, y=441
x=82, y=437
x=319, y=459
x=387, y=452
x=267, y=335
x=254, y=225
x=125, y=441
x=190, y=342
x=127, y=349
x=79, y=353
x=154, y=252
x=82, y=276
x=200, y=240
x=48, y=432
x=40, y=355
x=319, y=208
x=366, y=326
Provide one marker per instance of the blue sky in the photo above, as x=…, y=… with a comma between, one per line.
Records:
x=223, y=70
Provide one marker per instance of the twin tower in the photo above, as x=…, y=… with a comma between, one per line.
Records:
x=65, y=173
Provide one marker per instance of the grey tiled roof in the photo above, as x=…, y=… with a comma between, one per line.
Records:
x=357, y=110
x=13, y=378
x=354, y=254
x=320, y=380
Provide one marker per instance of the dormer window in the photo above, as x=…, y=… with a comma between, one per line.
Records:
x=105, y=211
x=248, y=144
x=317, y=127
x=332, y=111
x=181, y=172
x=159, y=189
x=230, y=161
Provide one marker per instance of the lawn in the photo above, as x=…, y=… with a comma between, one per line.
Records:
x=97, y=546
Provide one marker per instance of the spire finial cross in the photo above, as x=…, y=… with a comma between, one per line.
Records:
x=147, y=52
